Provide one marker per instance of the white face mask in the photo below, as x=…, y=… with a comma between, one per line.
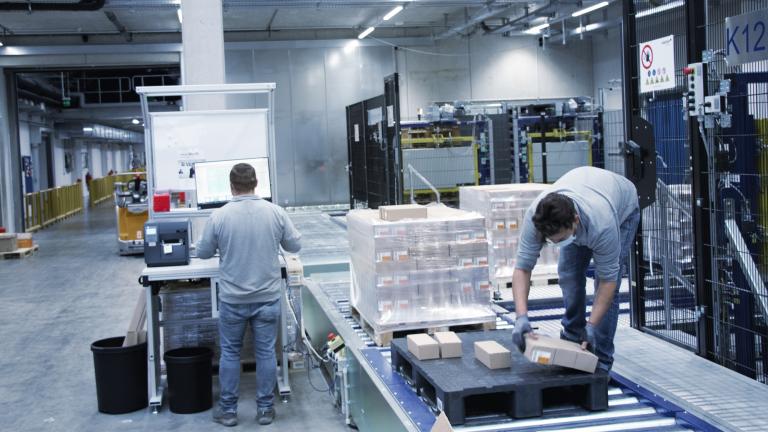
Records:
x=564, y=242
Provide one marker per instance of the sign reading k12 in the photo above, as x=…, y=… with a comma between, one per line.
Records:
x=746, y=38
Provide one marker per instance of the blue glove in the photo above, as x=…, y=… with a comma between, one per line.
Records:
x=589, y=338
x=522, y=327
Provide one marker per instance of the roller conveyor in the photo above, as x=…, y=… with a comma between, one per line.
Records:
x=642, y=394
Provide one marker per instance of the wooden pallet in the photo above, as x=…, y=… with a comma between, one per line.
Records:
x=19, y=253
x=384, y=338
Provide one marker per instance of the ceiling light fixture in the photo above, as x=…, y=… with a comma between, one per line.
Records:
x=366, y=32
x=178, y=14
x=537, y=29
x=659, y=9
x=135, y=121
x=392, y=13
x=87, y=129
x=589, y=9
x=587, y=28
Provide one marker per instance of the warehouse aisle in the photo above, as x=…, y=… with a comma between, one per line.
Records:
x=76, y=290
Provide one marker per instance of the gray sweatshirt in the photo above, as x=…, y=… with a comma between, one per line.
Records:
x=248, y=232
x=603, y=201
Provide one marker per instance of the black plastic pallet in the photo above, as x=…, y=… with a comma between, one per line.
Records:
x=464, y=387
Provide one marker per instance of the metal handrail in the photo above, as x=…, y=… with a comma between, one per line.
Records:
x=412, y=171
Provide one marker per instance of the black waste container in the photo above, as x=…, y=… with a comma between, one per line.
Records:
x=190, y=377
x=121, y=375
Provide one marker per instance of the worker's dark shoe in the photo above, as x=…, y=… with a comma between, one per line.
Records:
x=226, y=418
x=265, y=416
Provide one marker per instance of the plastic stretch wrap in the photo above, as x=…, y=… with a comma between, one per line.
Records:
x=417, y=273
x=504, y=207
x=187, y=322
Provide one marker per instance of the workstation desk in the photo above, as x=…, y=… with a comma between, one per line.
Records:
x=153, y=280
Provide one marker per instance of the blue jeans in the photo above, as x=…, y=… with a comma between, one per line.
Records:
x=264, y=319
x=572, y=269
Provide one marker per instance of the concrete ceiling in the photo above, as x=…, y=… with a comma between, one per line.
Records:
x=159, y=16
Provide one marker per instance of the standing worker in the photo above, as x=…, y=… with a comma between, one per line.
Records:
x=248, y=233
x=589, y=213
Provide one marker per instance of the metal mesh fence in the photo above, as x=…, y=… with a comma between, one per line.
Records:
x=738, y=173
x=613, y=134
x=668, y=299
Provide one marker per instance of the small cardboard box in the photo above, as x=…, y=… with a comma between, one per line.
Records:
x=7, y=242
x=493, y=355
x=406, y=211
x=450, y=344
x=554, y=351
x=24, y=240
x=423, y=346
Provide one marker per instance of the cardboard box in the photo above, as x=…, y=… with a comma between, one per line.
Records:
x=24, y=240
x=406, y=211
x=554, y=351
x=450, y=344
x=423, y=346
x=493, y=355
x=442, y=424
x=7, y=242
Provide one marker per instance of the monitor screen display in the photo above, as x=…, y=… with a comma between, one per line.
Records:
x=212, y=179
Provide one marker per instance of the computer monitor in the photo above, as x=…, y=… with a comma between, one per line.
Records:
x=212, y=181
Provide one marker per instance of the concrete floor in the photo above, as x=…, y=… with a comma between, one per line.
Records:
x=77, y=290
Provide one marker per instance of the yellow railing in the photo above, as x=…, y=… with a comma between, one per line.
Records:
x=51, y=205
x=102, y=189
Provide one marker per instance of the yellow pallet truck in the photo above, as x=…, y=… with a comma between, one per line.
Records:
x=132, y=210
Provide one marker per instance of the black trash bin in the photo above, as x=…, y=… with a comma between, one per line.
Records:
x=121, y=375
x=190, y=378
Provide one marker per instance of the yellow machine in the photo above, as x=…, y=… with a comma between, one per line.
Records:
x=132, y=209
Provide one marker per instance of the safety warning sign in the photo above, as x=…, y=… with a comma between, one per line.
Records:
x=657, y=65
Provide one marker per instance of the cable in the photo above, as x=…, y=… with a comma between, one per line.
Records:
x=309, y=377
x=417, y=51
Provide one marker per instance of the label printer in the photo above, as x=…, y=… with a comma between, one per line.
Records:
x=166, y=242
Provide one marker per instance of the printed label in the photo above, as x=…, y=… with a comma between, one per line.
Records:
x=481, y=261
x=403, y=304
x=466, y=287
x=386, y=280
x=401, y=255
x=542, y=357
x=500, y=225
x=402, y=280
x=466, y=262
x=384, y=257
x=385, y=306
x=382, y=231
x=484, y=286
x=463, y=237
x=512, y=224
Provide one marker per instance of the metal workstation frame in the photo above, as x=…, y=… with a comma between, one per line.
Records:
x=153, y=278
x=145, y=93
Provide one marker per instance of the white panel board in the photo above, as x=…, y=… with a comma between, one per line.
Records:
x=181, y=139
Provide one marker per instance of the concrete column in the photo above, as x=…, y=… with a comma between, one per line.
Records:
x=10, y=163
x=202, y=61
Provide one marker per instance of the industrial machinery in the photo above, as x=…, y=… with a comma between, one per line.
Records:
x=460, y=143
x=131, y=208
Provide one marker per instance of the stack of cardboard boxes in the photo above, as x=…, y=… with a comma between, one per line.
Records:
x=504, y=207
x=419, y=267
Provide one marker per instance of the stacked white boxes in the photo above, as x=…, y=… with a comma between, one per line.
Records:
x=417, y=273
x=504, y=207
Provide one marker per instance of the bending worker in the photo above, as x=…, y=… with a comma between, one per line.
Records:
x=248, y=232
x=590, y=214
